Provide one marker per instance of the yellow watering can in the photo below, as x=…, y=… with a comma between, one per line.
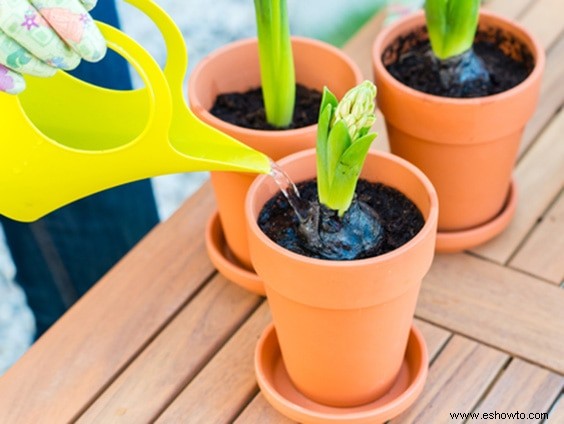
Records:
x=64, y=139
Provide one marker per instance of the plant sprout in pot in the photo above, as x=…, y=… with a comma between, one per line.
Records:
x=457, y=85
x=273, y=105
x=333, y=226
x=342, y=257
x=333, y=217
x=452, y=25
x=457, y=60
x=226, y=90
x=276, y=62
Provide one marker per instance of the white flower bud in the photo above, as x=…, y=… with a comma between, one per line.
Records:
x=357, y=109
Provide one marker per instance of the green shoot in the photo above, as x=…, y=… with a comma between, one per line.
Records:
x=343, y=140
x=451, y=25
x=276, y=61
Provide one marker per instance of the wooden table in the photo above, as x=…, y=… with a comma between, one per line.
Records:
x=163, y=337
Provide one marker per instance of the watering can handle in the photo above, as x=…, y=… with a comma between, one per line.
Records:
x=159, y=88
x=177, y=56
x=150, y=73
x=223, y=152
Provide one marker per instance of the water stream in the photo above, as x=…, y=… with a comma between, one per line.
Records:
x=290, y=192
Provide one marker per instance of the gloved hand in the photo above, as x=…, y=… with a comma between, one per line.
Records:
x=37, y=37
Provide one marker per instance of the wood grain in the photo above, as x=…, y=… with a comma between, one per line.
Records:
x=522, y=387
x=225, y=386
x=456, y=381
x=82, y=353
x=544, y=20
x=551, y=96
x=435, y=337
x=539, y=179
x=497, y=306
x=259, y=411
x=542, y=254
x=510, y=9
x=164, y=368
x=556, y=415
x=359, y=47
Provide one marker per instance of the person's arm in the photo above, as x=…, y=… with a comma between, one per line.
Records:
x=37, y=37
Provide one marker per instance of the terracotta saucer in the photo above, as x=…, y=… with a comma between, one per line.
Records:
x=457, y=241
x=224, y=261
x=278, y=390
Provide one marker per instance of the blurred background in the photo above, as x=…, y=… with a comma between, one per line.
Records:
x=205, y=26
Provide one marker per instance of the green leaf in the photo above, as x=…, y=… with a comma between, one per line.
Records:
x=435, y=15
x=328, y=98
x=463, y=22
x=339, y=140
x=347, y=172
x=451, y=25
x=276, y=61
x=321, y=150
x=370, y=137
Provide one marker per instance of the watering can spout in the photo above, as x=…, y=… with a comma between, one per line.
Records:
x=232, y=157
x=211, y=149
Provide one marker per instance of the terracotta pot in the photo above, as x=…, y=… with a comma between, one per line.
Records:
x=467, y=147
x=343, y=326
x=235, y=68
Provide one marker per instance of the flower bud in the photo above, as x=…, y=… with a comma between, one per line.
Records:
x=357, y=109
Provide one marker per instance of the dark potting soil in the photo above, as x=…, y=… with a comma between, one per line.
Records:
x=247, y=109
x=507, y=61
x=398, y=217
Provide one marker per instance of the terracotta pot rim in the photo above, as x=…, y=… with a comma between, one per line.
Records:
x=420, y=237
x=274, y=134
x=418, y=18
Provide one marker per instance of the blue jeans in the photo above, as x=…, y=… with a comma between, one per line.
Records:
x=59, y=257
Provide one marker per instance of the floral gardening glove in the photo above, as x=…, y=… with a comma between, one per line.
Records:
x=37, y=37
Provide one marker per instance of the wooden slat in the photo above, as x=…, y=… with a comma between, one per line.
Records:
x=543, y=253
x=495, y=305
x=359, y=47
x=435, y=337
x=544, y=20
x=222, y=389
x=510, y=9
x=539, y=180
x=84, y=350
x=556, y=415
x=165, y=367
x=259, y=411
x=551, y=96
x=457, y=379
x=523, y=387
